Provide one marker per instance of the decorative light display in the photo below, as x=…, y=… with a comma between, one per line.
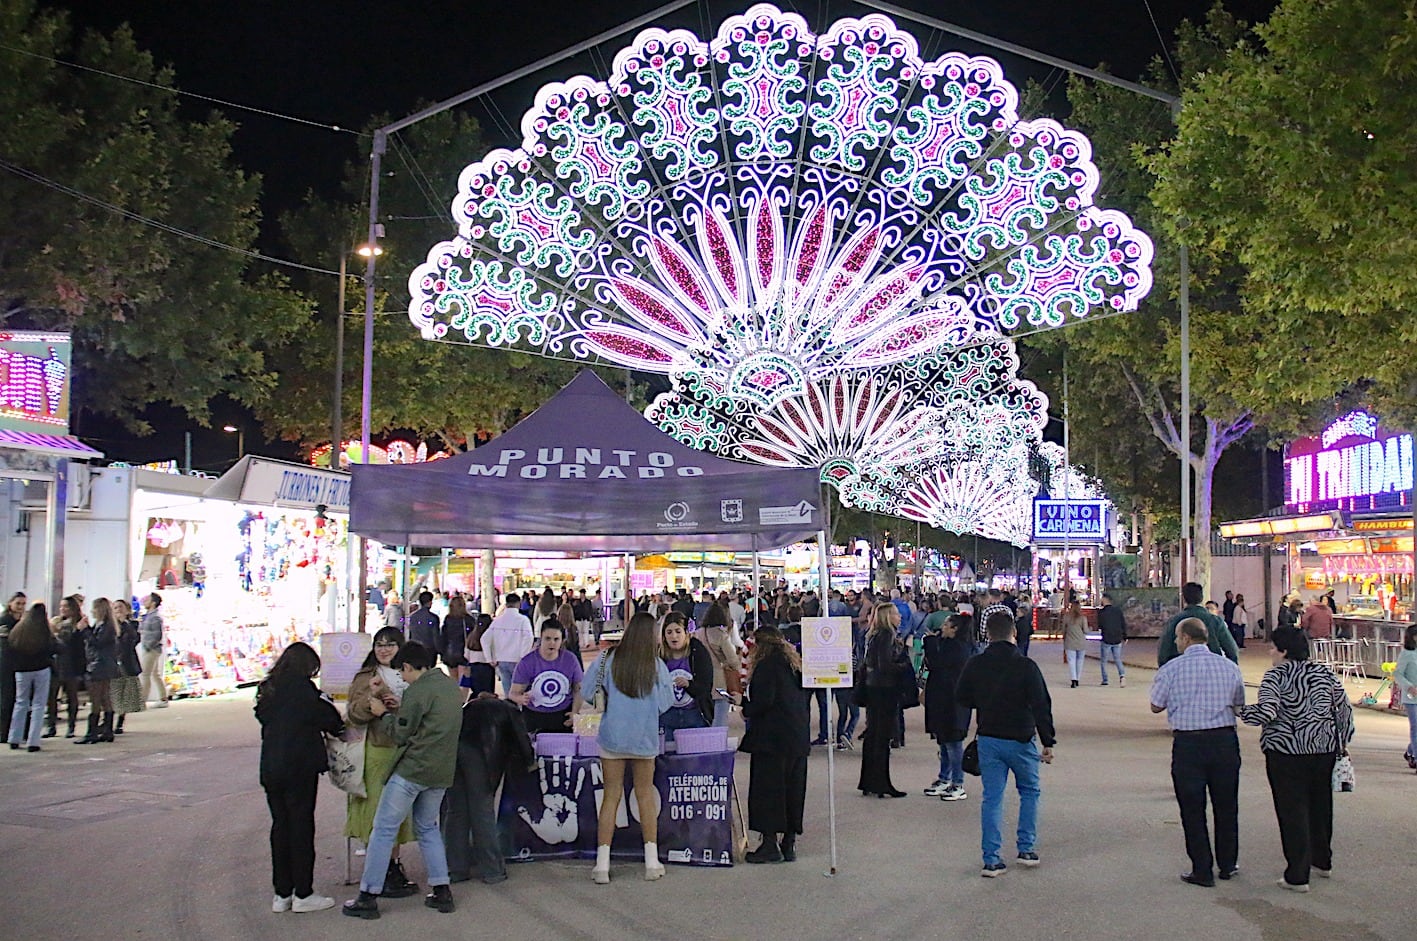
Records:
x=397, y=452
x=770, y=208
x=34, y=376
x=878, y=423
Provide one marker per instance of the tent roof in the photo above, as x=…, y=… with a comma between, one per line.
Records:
x=586, y=472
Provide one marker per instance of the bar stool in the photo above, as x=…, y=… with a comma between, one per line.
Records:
x=1321, y=651
x=1347, y=658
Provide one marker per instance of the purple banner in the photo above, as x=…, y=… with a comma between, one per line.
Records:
x=552, y=812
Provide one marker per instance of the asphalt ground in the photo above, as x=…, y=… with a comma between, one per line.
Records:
x=164, y=835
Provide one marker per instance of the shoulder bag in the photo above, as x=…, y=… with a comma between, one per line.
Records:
x=345, y=755
x=587, y=721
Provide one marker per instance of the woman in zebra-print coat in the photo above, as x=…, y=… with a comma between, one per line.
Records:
x=1306, y=722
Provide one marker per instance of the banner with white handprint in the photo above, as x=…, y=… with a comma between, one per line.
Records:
x=552, y=812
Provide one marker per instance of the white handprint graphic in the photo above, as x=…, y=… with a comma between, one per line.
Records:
x=557, y=820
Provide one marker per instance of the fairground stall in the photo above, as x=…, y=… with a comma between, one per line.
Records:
x=1346, y=527
x=558, y=481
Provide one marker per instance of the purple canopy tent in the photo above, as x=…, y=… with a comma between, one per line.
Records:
x=586, y=472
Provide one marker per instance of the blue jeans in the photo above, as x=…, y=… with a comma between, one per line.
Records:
x=952, y=762
x=31, y=698
x=504, y=672
x=847, y=714
x=1075, y=664
x=400, y=796
x=997, y=757
x=1411, y=708
x=1113, y=652
x=675, y=718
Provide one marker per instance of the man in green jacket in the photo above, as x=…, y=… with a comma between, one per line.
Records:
x=424, y=725
x=1218, y=639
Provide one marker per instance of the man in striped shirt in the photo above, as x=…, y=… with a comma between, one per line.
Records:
x=1200, y=692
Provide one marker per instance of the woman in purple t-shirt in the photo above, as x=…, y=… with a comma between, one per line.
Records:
x=547, y=682
x=691, y=669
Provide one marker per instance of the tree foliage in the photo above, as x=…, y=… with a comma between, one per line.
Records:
x=1295, y=157
x=155, y=316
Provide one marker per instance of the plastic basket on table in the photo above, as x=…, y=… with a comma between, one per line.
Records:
x=555, y=745
x=699, y=741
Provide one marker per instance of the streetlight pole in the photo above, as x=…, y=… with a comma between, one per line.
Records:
x=337, y=419
x=240, y=439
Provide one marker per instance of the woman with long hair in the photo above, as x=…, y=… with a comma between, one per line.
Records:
x=1405, y=676
x=1305, y=722
x=294, y=717
x=1074, y=625
x=30, y=655
x=376, y=677
x=691, y=670
x=457, y=626
x=69, y=631
x=775, y=708
x=100, y=670
x=127, y=688
x=716, y=633
x=637, y=689
x=566, y=616
x=879, y=680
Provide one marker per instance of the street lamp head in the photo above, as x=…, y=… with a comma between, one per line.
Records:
x=367, y=250
x=230, y=428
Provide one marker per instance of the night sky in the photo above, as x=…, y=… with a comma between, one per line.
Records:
x=341, y=63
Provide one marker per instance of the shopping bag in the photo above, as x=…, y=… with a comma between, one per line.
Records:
x=1343, y=776
x=346, y=759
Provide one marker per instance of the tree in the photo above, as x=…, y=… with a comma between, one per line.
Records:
x=1140, y=353
x=1295, y=156
x=97, y=175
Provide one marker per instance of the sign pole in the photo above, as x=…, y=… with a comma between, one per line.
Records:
x=824, y=562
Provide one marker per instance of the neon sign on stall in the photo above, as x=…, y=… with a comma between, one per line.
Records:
x=1352, y=465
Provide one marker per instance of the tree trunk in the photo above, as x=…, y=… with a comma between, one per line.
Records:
x=488, y=586
x=1148, y=551
x=1204, y=468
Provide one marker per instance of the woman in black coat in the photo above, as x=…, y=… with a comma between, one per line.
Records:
x=775, y=710
x=879, y=679
x=294, y=717
x=946, y=652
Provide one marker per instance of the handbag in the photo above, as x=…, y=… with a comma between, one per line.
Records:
x=970, y=761
x=907, y=689
x=587, y=721
x=345, y=754
x=1343, y=776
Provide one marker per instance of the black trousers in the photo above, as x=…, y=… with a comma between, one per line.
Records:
x=293, y=836
x=882, y=704
x=70, y=687
x=482, y=677
x=470, y=820
x=1208, y=763
x=1302, y=786
x=777, y=793
x=7, y=692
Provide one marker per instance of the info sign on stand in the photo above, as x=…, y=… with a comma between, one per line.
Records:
x=826, y=664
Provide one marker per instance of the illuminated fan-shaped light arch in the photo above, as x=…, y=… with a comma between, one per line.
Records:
x=882, y=423
x=772, y=207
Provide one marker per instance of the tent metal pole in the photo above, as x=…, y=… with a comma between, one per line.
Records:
x=757, y=586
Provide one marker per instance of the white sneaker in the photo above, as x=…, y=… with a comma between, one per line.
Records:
x=1122, y=682
x=1292, y=887
x=281, y=903
x=938, y=788
x=311, y=903
x=653, y=872
x=1322, y=873
x=160, y=704
x=600, y=876
x=954, y=793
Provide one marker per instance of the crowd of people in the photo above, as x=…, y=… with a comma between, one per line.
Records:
x=448, y=704
x=107, y=655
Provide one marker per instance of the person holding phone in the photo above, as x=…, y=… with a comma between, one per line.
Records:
x=691, y=670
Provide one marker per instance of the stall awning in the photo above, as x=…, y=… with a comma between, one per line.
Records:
x=54, y=445
x=267, y=482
